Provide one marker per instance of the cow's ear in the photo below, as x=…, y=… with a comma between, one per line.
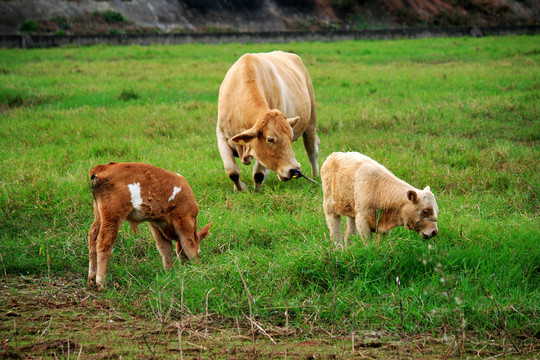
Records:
x=245, y=136
x=293, y=121
x=204, y=232
x=427, y=188
x=412, y=196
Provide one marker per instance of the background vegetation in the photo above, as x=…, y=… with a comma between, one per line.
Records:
x=460, y=115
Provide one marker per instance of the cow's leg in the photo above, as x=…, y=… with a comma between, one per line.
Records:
x=164, y=246
x=350, y=230
x=311, y=144
x=231, y=168
x=334, y=225
x=92, y=238
x=259, y=175
x=105, y=241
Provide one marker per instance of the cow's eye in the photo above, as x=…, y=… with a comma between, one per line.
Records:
x=271, y=140
x=425, y=212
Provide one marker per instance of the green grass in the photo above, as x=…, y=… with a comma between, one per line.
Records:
x=459, y=115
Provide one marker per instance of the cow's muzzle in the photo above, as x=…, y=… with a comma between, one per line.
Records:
x=295, y=174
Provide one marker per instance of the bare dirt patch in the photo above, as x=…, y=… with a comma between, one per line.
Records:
x=60, y=318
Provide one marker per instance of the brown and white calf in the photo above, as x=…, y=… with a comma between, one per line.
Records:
x=137, y=193
x=266, y=101
x=373, y=199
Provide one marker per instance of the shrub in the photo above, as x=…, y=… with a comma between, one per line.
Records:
x=29, y=26
x=116, y=32
x=113, y=17
x=62, y=22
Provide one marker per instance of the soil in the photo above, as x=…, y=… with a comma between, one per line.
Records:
x=60, y=318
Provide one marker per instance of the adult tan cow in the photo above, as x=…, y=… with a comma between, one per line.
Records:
x=266, y=102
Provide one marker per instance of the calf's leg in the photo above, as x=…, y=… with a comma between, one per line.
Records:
x=363, y=227
x=92, y=238
x=334, y=225
x=105, y=241
x=164, y=246
x=350, y=230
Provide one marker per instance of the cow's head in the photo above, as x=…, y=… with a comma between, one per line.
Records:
x=270, y=142
x=420, y=213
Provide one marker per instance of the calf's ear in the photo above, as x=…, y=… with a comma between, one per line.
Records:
x=427, y=188
x=412, y=196
x=293, y=121
x=245, y=136
x=204, y=232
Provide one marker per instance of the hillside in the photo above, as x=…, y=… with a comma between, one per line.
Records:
x=86, y=16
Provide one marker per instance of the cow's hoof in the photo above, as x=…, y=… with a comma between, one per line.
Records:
x=259, y=180
x=240, y=186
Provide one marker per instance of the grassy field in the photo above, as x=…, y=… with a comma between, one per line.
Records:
x=460, y=115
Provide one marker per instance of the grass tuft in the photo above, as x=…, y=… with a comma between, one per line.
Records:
x=128, y=94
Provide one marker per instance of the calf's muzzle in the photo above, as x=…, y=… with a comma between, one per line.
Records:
x=431, y=234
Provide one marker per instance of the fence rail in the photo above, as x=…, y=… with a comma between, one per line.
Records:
x=46, y=41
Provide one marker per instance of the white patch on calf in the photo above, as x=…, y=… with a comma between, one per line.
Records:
x=136, y=199
x=176, y=190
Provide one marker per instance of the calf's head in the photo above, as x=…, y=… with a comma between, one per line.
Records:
x=190, y=240
x=270, y=142
x=420, y=213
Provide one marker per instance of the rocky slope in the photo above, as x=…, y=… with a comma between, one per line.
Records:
x=83, y=16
